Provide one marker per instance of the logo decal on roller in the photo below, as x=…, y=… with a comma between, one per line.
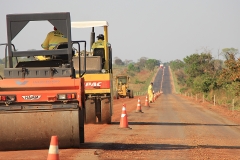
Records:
x=21, y=83
x=93, y=84
x=31, y=97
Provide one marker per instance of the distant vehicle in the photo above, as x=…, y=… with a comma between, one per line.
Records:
x=161, y=66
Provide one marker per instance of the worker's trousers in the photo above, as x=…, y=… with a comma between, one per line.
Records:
x=150, y=95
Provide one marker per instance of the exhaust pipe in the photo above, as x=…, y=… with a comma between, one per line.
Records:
x=92, y=38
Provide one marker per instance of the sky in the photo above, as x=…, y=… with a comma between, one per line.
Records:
x=165, y=30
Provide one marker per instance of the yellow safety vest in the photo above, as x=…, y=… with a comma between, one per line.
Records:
x=98, y=44
x=150, y=89
x=53, y=39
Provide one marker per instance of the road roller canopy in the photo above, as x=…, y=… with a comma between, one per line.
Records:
x=89, y=24
x=16, y=22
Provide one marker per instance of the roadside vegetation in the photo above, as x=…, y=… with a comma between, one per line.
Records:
x=216, y=80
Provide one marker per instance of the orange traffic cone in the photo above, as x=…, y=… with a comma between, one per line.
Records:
x=146, y=102
x=124, y=120
x=139, y=110
x=53, y=149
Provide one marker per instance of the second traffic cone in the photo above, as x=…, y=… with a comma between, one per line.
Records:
x=139, y=109
x=146, y=102
x=53, y=149
x=124, y=120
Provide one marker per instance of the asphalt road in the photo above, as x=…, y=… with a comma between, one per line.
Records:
x=171, y=128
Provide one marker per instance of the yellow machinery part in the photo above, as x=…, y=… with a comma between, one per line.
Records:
x=95, y=77
x=42, y=58
x=124, y=90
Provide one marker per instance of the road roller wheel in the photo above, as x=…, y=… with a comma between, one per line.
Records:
x=106, y=111
x=90, y=113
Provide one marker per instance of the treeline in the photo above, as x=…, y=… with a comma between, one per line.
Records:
x=142, y=63
x=201, y=73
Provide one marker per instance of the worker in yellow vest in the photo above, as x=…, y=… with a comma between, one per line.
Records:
x=52, y=40
x=99, y=43
x=150, y=92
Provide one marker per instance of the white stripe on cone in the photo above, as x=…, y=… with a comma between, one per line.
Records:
x=123, y=115
x=53, y=149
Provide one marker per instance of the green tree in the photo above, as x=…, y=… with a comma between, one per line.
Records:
x=177, y=64
x=198, y=64
x=133, y=68
x=204, y=83
x=142, y=62
x=226, y=52
x=151, y=63
x=118, y=61
x=230, y=75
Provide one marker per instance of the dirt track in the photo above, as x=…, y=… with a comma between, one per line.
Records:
x=171, y=128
